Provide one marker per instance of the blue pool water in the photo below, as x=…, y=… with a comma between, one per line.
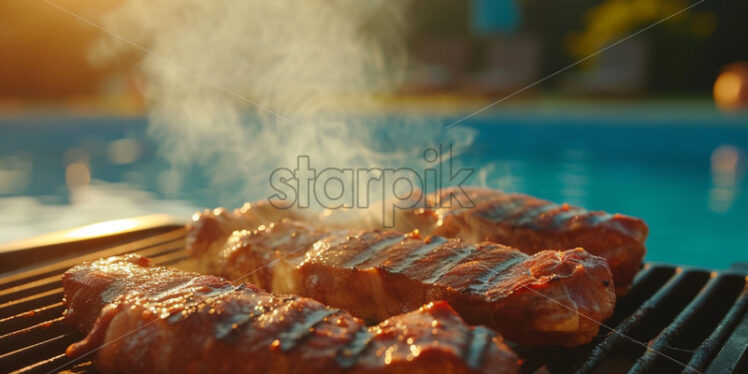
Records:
x=684, y=174
x=661, y=171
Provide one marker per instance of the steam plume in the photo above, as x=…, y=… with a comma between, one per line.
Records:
x=309, y=74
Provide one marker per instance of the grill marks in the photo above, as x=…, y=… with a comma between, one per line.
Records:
x=492, y=274
x=245, y=330
x=303, y=328
x=304, y=316
x=455, y=258
x=234, y=323
x=243, y=320
x=417, y=254
x=525, y=211
x=529, y=215
x=532, y=225
x=385, y=241
x=426, y=261
x=39, y=364
x=477, y=341
x=504, y=209
x=522, y=211
x=378, y=274
x=349, y=353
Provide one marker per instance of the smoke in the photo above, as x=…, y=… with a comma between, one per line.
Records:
x=240, y=88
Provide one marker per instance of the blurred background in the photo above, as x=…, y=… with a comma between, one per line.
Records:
x=654, y=126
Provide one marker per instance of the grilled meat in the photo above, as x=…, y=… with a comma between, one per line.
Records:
x=532, y=225
x=144, y=319
x=549, y=298
x=520, y=221
x=211, y=227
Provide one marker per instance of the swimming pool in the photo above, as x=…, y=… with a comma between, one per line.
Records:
x=682, y=172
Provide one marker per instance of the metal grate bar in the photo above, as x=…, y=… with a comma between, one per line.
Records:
x=672, y=309
x=22, y=312
x=30, y=288
x=170, y=258
x=29, y=303
x=733, y=357
x=50, y=363
x=166, y=253
x=27, y=307
x=647, y=283
x=24, y=337
x=710, y=346
x=59, y=267
x=563, y=360
x=44, y=366
x=39, y=351
x=35, y=348
x=39, y=315
x=53, y=363
x=53, y=281
x=691, y=326
x=617, y=348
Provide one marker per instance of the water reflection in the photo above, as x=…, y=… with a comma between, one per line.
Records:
x=25, y=217
x=76, y=154
x=574, y=176
x=727, y=172
x=77, y=174
x=124, y=151
x=15, y=173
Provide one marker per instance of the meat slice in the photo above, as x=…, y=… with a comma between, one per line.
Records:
x=520, y=221
x=532, y=225
x=549, y=298
x=211, y=227
x=161, y=320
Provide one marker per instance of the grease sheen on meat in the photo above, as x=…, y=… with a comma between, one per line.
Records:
x=531, y=225
x=480, y=214
x=549, y=298
x=149, y=319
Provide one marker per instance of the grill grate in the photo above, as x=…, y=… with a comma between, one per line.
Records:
x=690, y=315
x=32, y=336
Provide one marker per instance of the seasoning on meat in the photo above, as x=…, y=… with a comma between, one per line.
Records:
x=145, y=319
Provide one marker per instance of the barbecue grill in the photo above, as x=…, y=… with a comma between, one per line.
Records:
x=688, y=315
